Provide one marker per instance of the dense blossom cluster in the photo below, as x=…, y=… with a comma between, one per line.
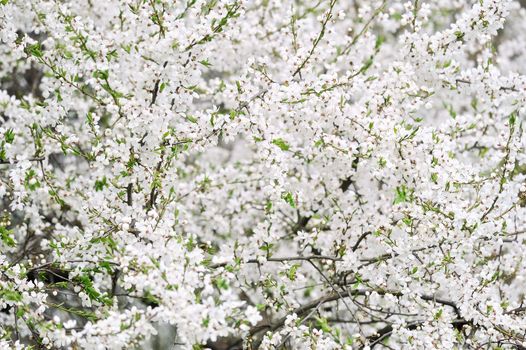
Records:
x=262, y=174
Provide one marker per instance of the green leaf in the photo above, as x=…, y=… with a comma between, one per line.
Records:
x=9, y=136
x=289, y=198
x=401, y=195
x=282, y=144
x=221, y=283
x=34, y=50
x=238, y=86
x=266, y=247
x=323, y=324
x=112, y=55
x=31, y=181
x=101, y=74
x=10, y=295
x=367, y=64
x=291, y=273
x=7, y=237
x=206, y=63
x=513, y=118
x=268, y=207
x=20, y=312
x=380, y=39
x=438, y=314
x=100, y=184
x=191, y=119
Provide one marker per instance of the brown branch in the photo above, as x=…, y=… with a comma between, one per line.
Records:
x=284, y=259
x=304, y=309
x=16, y=161
x=385, y=332
x=318, y=39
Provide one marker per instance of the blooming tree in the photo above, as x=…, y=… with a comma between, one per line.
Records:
x=262, y=174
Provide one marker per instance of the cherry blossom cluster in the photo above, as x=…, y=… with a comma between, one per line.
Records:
x=262, y=174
